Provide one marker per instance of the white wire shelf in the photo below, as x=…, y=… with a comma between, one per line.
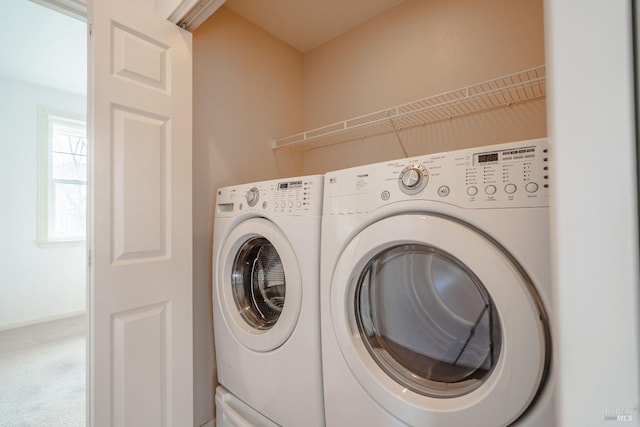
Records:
x=500, y=92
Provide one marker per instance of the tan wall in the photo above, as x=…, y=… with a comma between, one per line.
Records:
x=419, y=49
x=247, y=88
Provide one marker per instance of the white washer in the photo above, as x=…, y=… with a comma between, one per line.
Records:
x=266, y=310
x=435, y=290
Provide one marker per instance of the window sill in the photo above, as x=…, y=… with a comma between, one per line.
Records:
x=60, y=243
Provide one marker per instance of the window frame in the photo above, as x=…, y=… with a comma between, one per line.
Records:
x=46, y=118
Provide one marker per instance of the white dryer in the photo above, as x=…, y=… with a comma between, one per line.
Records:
x=266, y=310
x=435, y=290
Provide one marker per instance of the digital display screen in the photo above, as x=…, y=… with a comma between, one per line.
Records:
x=484, y=158
x=290, y=185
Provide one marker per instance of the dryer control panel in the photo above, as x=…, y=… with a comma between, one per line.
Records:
x=290, y=196
x=498, y=176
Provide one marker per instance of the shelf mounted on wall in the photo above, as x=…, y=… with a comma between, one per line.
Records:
x=503, y=91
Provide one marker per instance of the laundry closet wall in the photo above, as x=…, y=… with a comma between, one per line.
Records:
x=250, y=87
x=420, y=49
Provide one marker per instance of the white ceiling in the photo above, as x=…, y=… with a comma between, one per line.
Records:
x=43, y=47
x=306, y=25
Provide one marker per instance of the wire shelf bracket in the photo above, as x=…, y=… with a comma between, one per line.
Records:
x=500, y=92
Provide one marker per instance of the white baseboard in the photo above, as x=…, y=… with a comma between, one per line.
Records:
x=42, y=320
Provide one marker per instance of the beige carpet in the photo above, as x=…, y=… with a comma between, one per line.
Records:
x=42, y=375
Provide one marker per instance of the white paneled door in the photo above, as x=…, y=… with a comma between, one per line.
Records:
x=140, y=369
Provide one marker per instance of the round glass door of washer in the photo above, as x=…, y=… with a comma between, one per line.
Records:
x=259, y=285
x=438, y=322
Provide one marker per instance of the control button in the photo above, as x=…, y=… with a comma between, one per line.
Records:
x=531, y=187
x=298, y=204
x=241, y=206
x=385, y=195
x=290, y=204
x=510, y=188
x=264, y=205
x=472, y=191
x=490, y=189
x=443, y=191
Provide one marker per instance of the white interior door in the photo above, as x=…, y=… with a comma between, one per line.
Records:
x=140, y=365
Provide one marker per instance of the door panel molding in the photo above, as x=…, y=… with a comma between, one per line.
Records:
x=140, y=295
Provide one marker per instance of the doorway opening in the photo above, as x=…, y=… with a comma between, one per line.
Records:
x=43, y=79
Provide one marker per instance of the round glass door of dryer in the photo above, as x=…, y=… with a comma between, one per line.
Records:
x=259, y=283
x=427, y=320
x=438, y=323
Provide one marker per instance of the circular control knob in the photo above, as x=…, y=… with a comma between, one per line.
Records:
x=413, y=179
x=490, y=190
x=510, y=188
x=472, y=191
x=252, y=196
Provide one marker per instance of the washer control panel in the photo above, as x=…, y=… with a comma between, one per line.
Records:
x=497, y=176
x=291, y=196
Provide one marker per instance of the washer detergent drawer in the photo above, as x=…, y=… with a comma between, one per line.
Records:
x=232, y=412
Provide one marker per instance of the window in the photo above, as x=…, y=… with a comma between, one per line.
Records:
x=62, y=185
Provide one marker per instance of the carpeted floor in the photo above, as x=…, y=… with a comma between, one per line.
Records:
x=42, y=374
